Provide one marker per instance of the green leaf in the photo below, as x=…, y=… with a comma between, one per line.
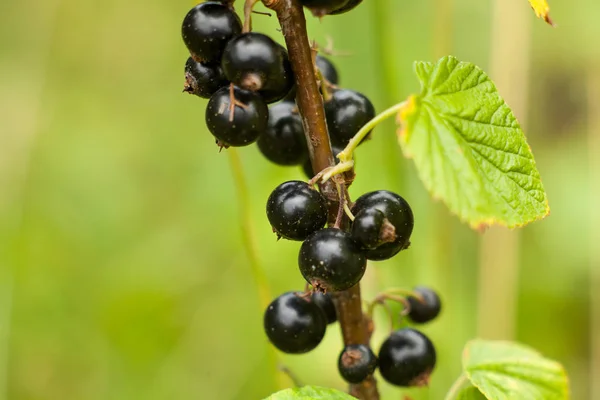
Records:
x=470, y=393
x=469, y=148
x=506, y=371
x=310, y=393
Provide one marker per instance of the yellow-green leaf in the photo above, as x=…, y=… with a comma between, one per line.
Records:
x=507, y=371
x=542, y=10
x=468, y=147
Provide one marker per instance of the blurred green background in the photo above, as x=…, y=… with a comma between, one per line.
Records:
x=122, y=269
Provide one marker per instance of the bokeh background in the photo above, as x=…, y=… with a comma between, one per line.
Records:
x=123, y=273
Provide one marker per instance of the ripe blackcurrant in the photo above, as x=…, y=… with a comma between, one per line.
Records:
x=330, y=260
x=356, y=363
x=397, y=212
x=295, y=210
x=307, y=166
x=426, y=308
x=203, y=79
x=349, y=6
x=325, y=303
x=371, y=229
x=407, y=358
x=347, y=111
x=283, y=142
x=207, y=28
x=256, y=62
x=320, y=8
x=249, y=120
x=293, y=324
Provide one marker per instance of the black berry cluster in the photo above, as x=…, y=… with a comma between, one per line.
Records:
x=241, y=73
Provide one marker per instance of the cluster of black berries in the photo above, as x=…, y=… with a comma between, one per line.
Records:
x=331, y=260
x=241, y=73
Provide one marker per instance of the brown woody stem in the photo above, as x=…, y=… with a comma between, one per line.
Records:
x=354, y=325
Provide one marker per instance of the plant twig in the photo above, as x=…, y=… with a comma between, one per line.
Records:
x=310, y=105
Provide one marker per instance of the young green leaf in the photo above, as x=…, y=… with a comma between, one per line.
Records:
x=310, y=393
x=470, y=393
x=468, y=147
x=504, y=371
x=542, y=10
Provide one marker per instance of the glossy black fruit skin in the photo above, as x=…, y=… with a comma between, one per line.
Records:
x=407, y=358
x=349, y=6
x=426, y=310
x=307, y=166
x=295, y=210
x=367, y=227
x=293, y=324
x=328, y=71
x=283, y=142
x=207, y=28
x=347, y=112
x=325, y=303
x=356, y=363
x=202, y=79
x=256, y=62
x=331, y=260
x=398, y=213
x=248, y=123
x=323, y=7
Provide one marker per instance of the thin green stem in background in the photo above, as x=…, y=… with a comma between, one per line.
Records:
x=456, y=386
x=348, y=152
x=251, y=248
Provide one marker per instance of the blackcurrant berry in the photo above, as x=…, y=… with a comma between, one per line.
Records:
x=295, y=210
x=330, y=260
x=203, y=79
x=307, y=166
x=347, y=111
x=283, y=142
x=256, y=62
x=250, y=117
x=327, y=69
x=397, y=212
x=407, y=358
x=349, y=6
x=426, y=308
x=320, y=8
x=325, y=303
x=371, y=229
x=293, y=324
x=207, y=28
x=356, y=363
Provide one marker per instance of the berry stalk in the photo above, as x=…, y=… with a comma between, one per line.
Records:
x=348, y=304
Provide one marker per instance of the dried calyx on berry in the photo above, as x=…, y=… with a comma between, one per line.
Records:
x=203, y=79
x=356, y=363
x=256, y=62
x=396, y=211
x=207, y=28
x=238, y=119
x=407, y=358
x=293, y=324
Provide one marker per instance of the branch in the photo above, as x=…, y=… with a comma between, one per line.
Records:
x=354, y=325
